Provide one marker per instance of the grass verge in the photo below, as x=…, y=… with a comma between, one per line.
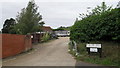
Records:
x=110, y=54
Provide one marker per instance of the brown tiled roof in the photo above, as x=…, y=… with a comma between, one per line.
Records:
x=46, y=28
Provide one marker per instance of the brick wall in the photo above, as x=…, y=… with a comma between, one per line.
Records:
x=0, y=45
x=28, y=42
x=13, y=44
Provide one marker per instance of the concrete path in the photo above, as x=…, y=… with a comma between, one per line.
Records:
x=52, y=53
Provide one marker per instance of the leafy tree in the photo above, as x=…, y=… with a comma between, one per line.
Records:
x=101, y=9
x=41, y=25
x=8, y=26
x=118, y=5
x=102, y=26
x=62, y=28
x=97, y=10
x=29, y=19
x=0, y=32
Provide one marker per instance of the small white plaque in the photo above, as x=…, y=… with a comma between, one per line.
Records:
x=93, y=50
x=93, y=45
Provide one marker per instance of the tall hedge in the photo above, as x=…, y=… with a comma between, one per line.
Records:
x=104, y=26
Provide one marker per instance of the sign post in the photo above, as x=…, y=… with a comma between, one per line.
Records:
x=94, y=48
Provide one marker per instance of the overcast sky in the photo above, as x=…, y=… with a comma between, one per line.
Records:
x=55, y=13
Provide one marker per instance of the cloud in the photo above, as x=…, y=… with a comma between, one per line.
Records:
x=1, y=16
x=60, y=0
x=54, y=13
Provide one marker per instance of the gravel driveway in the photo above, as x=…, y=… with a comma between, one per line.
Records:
x=52, y=53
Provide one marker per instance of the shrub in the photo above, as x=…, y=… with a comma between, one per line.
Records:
x=104, y=26
x=46, y=37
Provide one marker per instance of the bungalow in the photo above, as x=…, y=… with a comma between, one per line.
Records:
x=62, y=33
x=47, y=29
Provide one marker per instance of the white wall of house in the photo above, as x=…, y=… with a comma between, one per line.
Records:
x=62, y=33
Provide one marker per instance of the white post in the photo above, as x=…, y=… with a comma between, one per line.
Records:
x=75, y=46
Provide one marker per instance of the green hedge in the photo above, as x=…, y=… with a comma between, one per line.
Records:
x=104, y=26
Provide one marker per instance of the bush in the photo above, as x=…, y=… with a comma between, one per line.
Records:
x=46, y=37
x=104, y=26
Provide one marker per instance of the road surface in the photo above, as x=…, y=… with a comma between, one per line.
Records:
x=52, y=53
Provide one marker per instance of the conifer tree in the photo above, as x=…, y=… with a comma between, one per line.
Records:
x=28, y=20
